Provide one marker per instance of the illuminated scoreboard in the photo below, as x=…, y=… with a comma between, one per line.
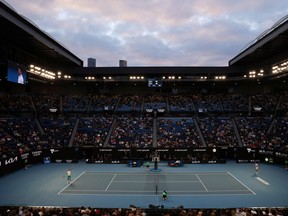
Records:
x=155, y=83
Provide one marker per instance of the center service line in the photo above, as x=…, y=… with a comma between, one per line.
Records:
x=202, y=182
x=110, y=182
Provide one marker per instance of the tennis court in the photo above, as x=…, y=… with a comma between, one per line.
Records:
x=118, y=185
x=149, y=183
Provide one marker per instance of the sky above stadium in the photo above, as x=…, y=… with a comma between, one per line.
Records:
x=153, y=32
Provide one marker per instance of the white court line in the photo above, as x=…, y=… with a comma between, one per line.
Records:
x=241, y=183
x=110, y=182
x=112, y=191
x=158, y=181
x=186, y=191
x=262, y=180
x=106, y=173
x=201, y=182
x=151, y=195
x=193, y=173
x=202, y=193
x=71, y=182
x=161, y=173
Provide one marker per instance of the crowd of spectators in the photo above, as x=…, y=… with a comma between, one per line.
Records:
x=103, y=103
x=181, y=103
x=278, y=136
x=218, y=131
x=266, y=102
x=207, y=103
x=253, y=131
x=155, y=102
x=269, y=103
x=92, y=131
x=138, y=132
x=130, y=103
x=43, y=103
x=235, y=103
x=137, y=211
x=15, y=103
x=264, y=131
x=177, y=133
x=18, y=135
x=132, y=132
x=75, y=103
x=283, y=103
x=57, y=131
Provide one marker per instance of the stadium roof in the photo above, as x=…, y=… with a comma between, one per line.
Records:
x=22, y=35
x=270, y=43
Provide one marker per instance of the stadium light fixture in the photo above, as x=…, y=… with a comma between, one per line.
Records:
x=41, y=72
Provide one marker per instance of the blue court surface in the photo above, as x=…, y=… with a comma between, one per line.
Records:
x=192, y=183
x=227, y=185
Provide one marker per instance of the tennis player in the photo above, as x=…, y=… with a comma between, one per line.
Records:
x=147, y=165
x=69, y=173
x=256, y=168
x=164, y=195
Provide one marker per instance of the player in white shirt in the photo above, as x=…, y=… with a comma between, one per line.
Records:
x=69, y=173
x=20, y=76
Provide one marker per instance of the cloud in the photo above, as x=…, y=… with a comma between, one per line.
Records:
x=153, y=32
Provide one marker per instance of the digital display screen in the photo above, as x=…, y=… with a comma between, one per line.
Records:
x=154, y=83
x=16, y=73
